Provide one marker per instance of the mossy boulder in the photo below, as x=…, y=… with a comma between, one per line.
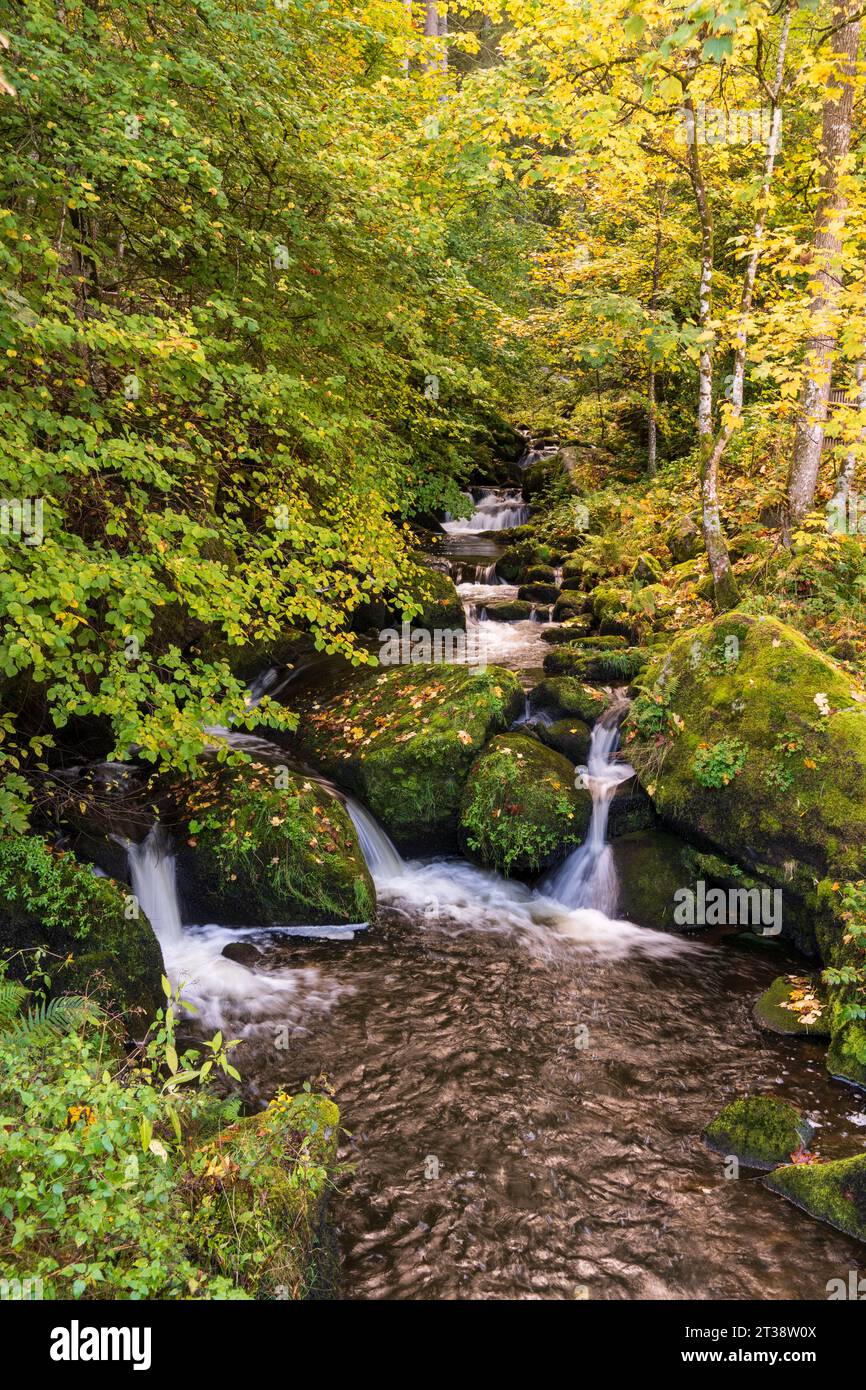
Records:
x=609, y=607
x=263, y=846
x=97, y=938
x=573, y=630
x=761, y=1131
x=565, y=697
x=541, y=475
x=570, y=737
x=647, y=570
x=442, y=606
x=793, y=1007
x=521, y=811
x=540, y=574
x=832, y=1192
x=567, y=608
x=651, y=869
x=592, y=664
x=763, y=751
x=508, y=610
x=538, y=593
x=259, y=1201
x=404, y=738
x=683, y=539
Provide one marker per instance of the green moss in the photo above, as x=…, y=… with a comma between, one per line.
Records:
x=404, y=739
x=508, y=610
x=538, y=593
x=575, y=629
x=567, y=697
x=761, y=1131
x=265, y=846
x=800, y=796
x=793, y=1006
x=684, y=540
x=570, y=737
x=521, y=811
x=259, y=1202
x=647, y=570
x=49, y=900
x=832, y=1192
x=595, y=664
x=442, y=606
x=540, y=574
x=566, y=608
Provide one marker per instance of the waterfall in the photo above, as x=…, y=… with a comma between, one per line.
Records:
x=495, y=510
x=588, y=876
x=151, y=868
x=379, y=853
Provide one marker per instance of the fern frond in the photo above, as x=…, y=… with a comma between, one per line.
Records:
x=12, y=996
x=62, y=1015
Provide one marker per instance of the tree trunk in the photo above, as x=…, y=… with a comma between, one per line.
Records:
x=826, y=251
x=705, y=217
x=652, y=430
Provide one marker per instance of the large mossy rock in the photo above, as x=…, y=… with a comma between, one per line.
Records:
x=651, y=869
x=761, y=1131
x=793, y=1007
x=263, y=846
x=564, y=698
x=570, y=737
x=832, y=1192
x=508, y=610
x=259, y=1203
x=521, y=811
x=97, y=938
x=596, y=664
x=404, y=739
x=763, y=749
x=684, y=540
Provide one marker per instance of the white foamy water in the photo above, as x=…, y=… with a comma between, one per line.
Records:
x=495, y=510
x=222, y=990
x=588, y=876
x=460, y=897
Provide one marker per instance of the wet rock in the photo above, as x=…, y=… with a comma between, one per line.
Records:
x=593, y=664
x=508, y=610
x=98, y=939
x=760, y=1131
x=404, y=738
x=567, y=607
x=263, y=846
x=564, y=697
x=651, y=869
x=538, y=593
x=540, y=574
x=793, y=1007
x=832, y=1192
x=570, y=737
x=521, y=811
x=576, y=628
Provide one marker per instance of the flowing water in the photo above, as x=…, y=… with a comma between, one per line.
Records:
x=496, y=509
x=588, y=876
x=523, y=1075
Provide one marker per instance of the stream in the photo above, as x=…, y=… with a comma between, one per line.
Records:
x=524, y=1077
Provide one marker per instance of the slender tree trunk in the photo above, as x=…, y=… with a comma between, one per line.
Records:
x=724, y=583
x=652, y=430
x=826, y=251
x=845, y=476
x=407, y=6
x=705, y=294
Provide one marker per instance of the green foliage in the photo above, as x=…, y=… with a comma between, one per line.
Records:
x=716, y=765
x=112, y=1169
x=233, y=254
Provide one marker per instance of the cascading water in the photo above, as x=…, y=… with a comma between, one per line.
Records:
x=588, y=876
x=495, y=510
x=380, y=855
